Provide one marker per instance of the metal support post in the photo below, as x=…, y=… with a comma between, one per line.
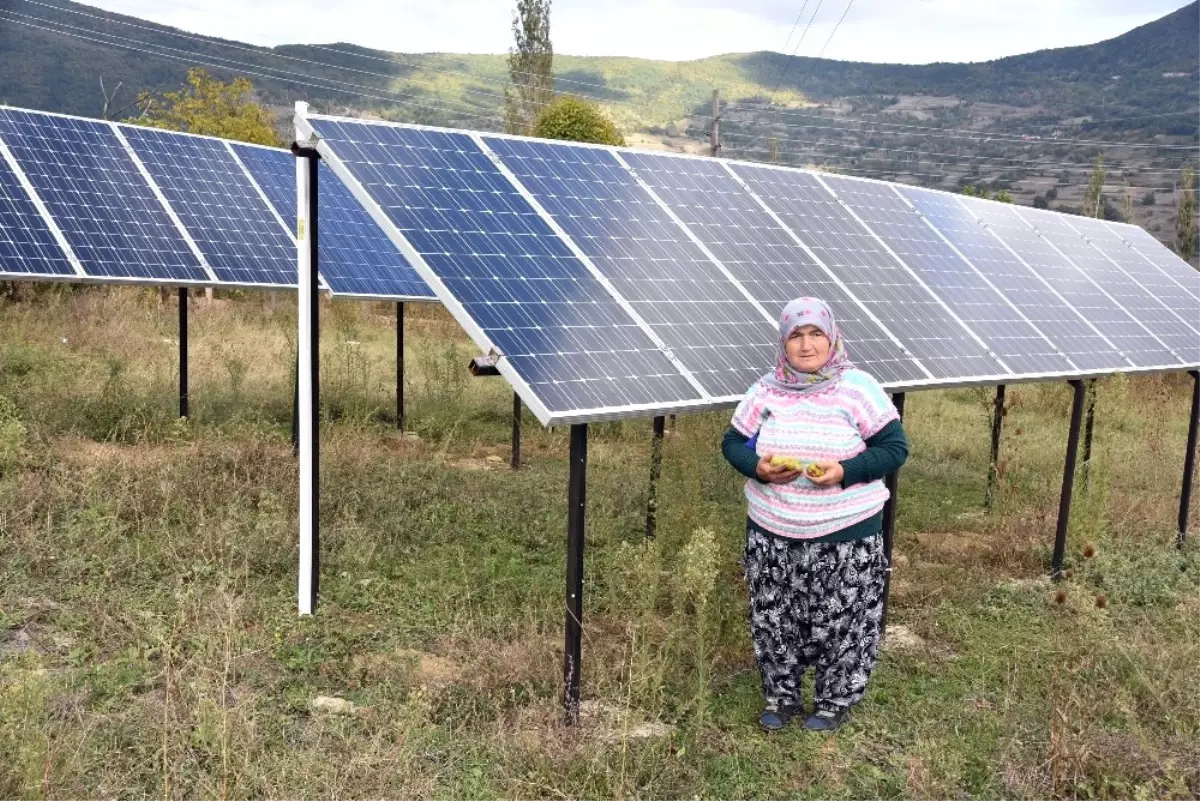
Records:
x=296, y=408
x=714, y=131
x=994, y=465
x=183, y=352
x=308, y=378
x=1068, y=484
x=400, y=366
x=1189, y=461
x=576, y=512
x=656, y=449
x=516, y=432
x=889, y=519
x=1088, y=426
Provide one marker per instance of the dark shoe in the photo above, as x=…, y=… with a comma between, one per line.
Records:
x=827, y=718
x=775, y=719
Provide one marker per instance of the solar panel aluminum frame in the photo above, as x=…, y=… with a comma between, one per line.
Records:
x=306, y=136
x=306, y=133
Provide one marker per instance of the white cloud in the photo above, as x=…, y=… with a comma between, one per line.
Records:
x=905, y=31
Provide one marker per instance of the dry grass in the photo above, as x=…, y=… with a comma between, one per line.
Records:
x=149, y=646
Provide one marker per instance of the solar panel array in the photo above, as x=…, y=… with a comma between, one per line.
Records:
x=87, y=200
x=614, y=283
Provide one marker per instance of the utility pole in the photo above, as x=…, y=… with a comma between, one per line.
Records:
x=714, y=131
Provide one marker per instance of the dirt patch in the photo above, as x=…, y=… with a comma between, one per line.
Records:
x=80, y=452
x=956, y=545
x=421, y=668
x=901, y=638
x=15, y=641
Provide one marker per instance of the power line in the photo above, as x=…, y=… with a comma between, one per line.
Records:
x=788, y=62
x=835, y=28
x=193, y=60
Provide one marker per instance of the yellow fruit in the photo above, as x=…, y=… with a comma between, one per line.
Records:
x=815, y=471
x=790, y=462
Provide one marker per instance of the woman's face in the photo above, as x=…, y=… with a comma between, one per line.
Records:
x=807, y=349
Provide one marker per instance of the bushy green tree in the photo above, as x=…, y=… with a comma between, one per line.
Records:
x=1093, y=196
x=576, y=120
x=211, y=107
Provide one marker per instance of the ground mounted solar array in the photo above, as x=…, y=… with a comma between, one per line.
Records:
x=614, y=283
x=88, y=200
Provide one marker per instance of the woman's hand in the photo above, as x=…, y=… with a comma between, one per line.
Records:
x=770, y=474
x=832, y=474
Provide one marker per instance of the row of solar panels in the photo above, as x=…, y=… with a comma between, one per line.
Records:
x=615, y=282
x=89, y=200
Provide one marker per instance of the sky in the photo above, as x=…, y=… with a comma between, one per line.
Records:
x=901, y=31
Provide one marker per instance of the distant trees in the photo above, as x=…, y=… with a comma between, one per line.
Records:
x=1039, y=202
x=1003, y=195
x=530, y=67
x=1185, y=217
x=208, y=106
x=1093, y=196
x=576, y=120
x=1149, y=199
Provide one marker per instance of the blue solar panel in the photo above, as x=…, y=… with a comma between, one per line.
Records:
x=975, y=302
x=1182, y=273
x=1060, y=231
x=718, y=335
x=554, y=323
x=905, y=307
x=356, y=257
x=1053, y=316
x=107, y=212
x=27, y=247
x=761, y=256
x=1095, y=306
x=223, y=213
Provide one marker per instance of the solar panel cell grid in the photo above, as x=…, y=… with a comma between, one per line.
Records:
x=1127, y=291
x=1080, y=343
x=761, y=256
x=982, y=308
x=709, y=325
x=914, y=316
x=356, y=257
x=27, y=247
x=532, y=298
x=1184, y=274
x=223, y=213
x=1083, y=295
x=107, y=212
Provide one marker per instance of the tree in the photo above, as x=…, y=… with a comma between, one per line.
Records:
x=1052, y=193
x=576, y=120
x=1093, y=196
x=1126, y=210
x=1185, y=218
x=530, y=66
x=1149, y=199
x=1003, y=196
x=1039, y=202
x=208, y=106
x=773, y=150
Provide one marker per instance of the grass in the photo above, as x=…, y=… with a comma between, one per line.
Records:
x=149, y=645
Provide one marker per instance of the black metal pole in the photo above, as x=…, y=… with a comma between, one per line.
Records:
x=994, y=465
x=315, y=366
x=1068, y=484
x=1088, y=426
x=576, y=512
x=889, y=520
x=516, y=432
x=656, y=450
x=400, y=366
x=183, y=352
x=1189, y=461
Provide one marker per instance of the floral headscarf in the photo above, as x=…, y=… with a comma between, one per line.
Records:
x=801, y=312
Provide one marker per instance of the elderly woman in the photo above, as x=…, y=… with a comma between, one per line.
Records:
x=815, y=437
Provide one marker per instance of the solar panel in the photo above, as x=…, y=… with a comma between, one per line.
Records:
x=220, y=208
x=715, y=331
x=763, y=256
x=1039, y=303
x=356, y=257
x=507, y=276
x=104, y=207
x=1142, y=348
x=1062, y=232
x=27, y=246
x=985, y=311
x=941, y=344
x=1182, y=273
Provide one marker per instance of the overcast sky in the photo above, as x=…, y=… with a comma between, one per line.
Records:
x=907, y=31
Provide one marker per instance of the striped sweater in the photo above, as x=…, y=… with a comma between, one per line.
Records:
x=832, y=424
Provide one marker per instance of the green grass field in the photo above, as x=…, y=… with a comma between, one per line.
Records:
x=149, y=644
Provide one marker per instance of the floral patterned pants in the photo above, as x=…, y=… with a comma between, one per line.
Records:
x=818, y=605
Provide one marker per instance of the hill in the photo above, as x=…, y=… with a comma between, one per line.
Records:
x=1026, y=123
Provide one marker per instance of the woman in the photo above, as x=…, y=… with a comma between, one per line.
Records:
x=814, y=559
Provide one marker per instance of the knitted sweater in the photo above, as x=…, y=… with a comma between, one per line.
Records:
x=845, y=423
